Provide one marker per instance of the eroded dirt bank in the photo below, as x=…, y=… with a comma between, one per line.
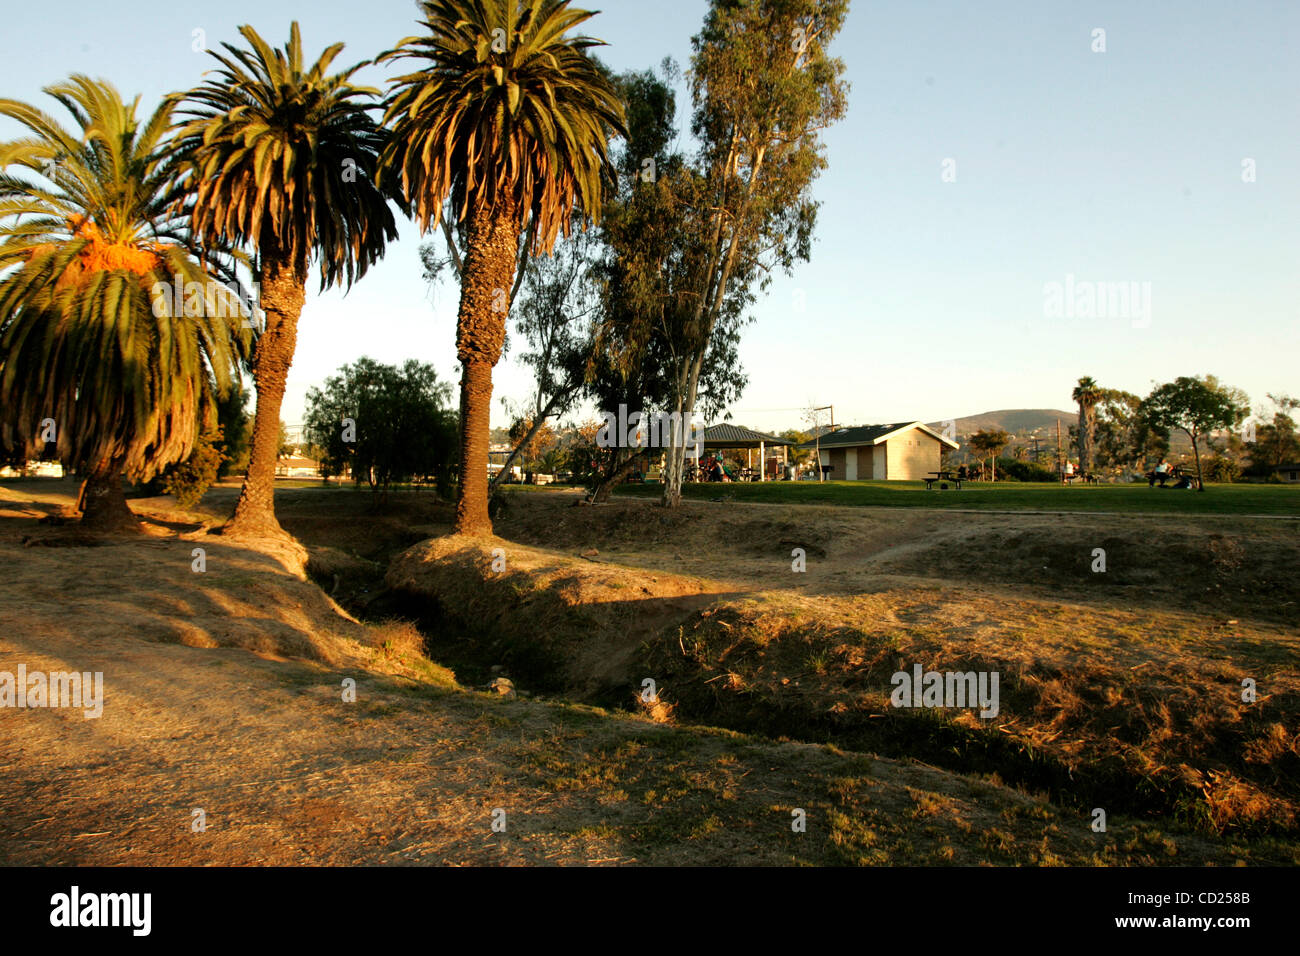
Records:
x=1121, y=686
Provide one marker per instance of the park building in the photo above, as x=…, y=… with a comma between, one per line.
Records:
x=906, y=451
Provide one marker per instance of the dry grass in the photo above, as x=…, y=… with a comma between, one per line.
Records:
x=286, y=772
x=223, y=693
x=1109, y=696
x=1222, y=566
x=1120, y=709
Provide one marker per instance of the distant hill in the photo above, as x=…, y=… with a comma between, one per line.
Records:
x=1015, y=421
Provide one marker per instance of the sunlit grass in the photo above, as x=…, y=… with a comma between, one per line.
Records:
x=1263, y=499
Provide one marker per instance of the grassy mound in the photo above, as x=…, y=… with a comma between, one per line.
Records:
x=1123, y=711
x=553, y=622
x=1138, y=711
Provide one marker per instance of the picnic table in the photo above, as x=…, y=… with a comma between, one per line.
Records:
x=942, y=476
x=1175, y=474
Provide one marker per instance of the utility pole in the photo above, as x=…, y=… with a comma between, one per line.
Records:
x=1058, y=449
x=821, y=475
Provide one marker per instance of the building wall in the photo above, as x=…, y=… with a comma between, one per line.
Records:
x=837, y=464
x=866, y=462
x=911, y=455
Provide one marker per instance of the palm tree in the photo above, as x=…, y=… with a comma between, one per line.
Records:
x=1088, y=394
x=282, y=159
x=510, y=118
x=92, y=344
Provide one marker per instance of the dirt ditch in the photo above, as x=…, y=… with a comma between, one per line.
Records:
x=1119, y=691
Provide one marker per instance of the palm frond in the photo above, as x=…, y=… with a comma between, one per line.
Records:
x=284, y=159
x=505, y=106
x=89, y=229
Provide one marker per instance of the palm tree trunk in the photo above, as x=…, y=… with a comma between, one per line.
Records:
x=489, y=271
x=1086, y=426
x=283, y=294
x=1082, y=439
x=103, y=503
x=475, y=427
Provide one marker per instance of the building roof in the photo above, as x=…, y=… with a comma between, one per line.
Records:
x=872, y=435
x=725, y=435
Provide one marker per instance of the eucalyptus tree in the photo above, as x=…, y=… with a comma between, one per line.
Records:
x=763, y=88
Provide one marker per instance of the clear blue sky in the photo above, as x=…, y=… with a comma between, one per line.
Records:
x=925, y=298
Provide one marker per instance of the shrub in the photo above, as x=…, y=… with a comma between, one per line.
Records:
x=1013, y=470
x=190, y=479
x=1222, y=469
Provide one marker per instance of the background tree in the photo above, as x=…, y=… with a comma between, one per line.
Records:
x=763, y=88
x=645, y=280
x=556, y=319
x=794, y=454
x=1087, y=394
x=510, y=119
x=189, y=480
x=535, y=442
x=401, y=428
x=1196, y=406
x=281, y=158
x=587, y=460
x=283, y=445
x=1120, y=432
x=91, y=342
x=1276, y=441
x=989, y=444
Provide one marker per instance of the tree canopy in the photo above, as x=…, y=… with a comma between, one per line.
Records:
x=384, y=423
x=1196, y=405
x=93, y=240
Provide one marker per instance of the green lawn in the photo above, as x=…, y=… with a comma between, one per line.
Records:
x=1015, y=496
